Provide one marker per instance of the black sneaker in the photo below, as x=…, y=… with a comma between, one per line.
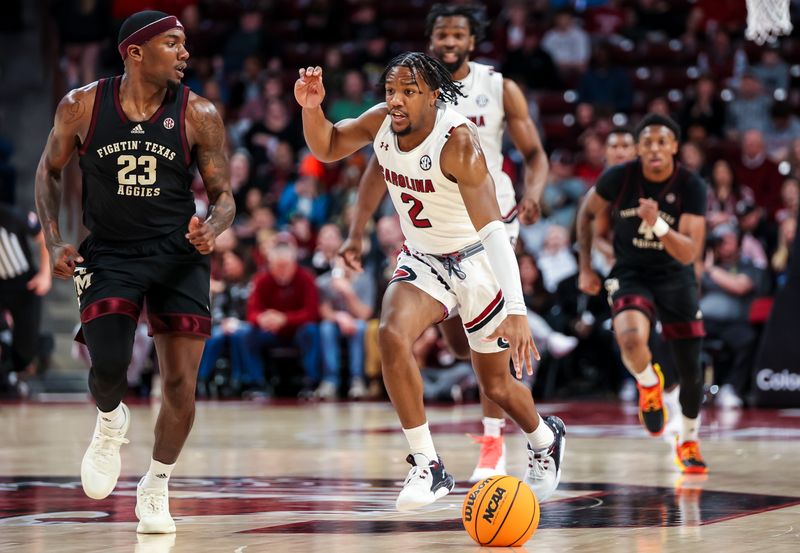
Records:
x=424, y=484
x=544, y=465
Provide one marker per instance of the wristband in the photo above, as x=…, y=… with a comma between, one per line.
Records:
x=660, y=228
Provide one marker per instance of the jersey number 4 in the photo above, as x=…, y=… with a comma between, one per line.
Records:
x=414, y=211
x=129, y=164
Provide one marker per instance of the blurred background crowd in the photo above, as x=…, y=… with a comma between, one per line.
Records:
x=290, y=320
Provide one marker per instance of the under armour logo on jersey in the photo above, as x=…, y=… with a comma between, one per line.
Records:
x=425, y=162
x=384, y=146
x=137, y=129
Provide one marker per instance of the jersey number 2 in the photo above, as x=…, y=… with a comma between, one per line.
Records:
x=129, y=164
x=414, y=210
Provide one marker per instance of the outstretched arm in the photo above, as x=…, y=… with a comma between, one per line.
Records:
x=592, y=206
x=207, y=134
x=462, y=160
x=526, y=139
x=72, y=115
x=371, y=190
x=329, y=142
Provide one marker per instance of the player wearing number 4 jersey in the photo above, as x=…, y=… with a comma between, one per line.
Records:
x=138, y=136
x=457, y=255
x=494, y=104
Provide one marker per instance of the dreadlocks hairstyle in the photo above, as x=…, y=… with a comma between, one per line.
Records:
x=475, y=14
x=435, y=75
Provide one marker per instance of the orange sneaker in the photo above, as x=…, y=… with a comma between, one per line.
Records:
x=652, y=412
x=688, y=458
x=492, y=458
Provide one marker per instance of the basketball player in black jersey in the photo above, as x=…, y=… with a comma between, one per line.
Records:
x=138, y=136
x=658, y=218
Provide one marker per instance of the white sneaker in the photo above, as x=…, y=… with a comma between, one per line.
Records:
x=492, y=459
x=424, y=484
x=325, y=390
x=358, y=389
x=728, y=399
x=152, y=510
x=101, y=463
x=544, y=465
x=560, y=345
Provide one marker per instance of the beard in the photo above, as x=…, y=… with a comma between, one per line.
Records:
x=404, y=132
x=453, y=67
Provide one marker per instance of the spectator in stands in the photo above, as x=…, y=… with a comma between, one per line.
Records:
x=240, y=165
x=228, y=316
x=606, y=18
x=567, y=43
x=724, y=194
x=303, y=197
x=511, y=30
x=749, y=110
x=750, y=218
x=729, y=285
x=347, y=301
x=694, y=159
x=272, y=89
x=563, y=191
x=329, y=240
x=248, y=40
x=605, y=84
x=783, y=129
x=790, y=200
x=263, y=137
x=771, y=70
x=704, y=113
x=758, y=172
x=593, y=158
x=355, y=101
x=82, y=28
x=556, y=260
x=787, y=233
x=283, y=310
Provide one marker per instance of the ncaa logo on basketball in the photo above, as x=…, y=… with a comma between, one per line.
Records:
x=494, y=504
x=169, y=122
x=482, y=100
x=425, y=162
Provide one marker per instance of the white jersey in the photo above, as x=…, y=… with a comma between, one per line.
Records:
x=432, y=213
x=483, y=105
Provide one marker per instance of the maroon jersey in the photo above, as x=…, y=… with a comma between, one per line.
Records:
x=136, y=174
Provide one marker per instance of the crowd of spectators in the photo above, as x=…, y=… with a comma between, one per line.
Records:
x=585, y=67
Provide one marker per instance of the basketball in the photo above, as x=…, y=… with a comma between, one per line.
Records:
x=500, y=511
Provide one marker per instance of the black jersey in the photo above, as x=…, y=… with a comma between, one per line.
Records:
x=136, y=174
x=635, y=244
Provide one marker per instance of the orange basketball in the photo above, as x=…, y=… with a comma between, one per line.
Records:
x=500, y=511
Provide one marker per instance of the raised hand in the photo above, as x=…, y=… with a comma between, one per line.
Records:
x=308, y=89
x=516, y=331
x=648, y=210
x=63, y=258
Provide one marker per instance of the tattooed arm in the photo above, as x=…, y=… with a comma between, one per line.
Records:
x=207, y=133
x=72, y=119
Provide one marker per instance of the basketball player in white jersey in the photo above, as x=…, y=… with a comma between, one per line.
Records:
x=493, y=104
x=435, y=170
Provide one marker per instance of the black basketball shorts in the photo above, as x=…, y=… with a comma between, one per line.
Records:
x=670, y=297
x=167, y=275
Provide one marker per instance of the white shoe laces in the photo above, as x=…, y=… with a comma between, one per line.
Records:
x=419, y=473
x=537, y=466
x=151, y=502
x=105, y=446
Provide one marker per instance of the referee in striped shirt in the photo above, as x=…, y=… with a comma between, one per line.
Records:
x=22, y=285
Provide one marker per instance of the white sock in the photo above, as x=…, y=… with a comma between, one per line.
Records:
x=647, y=377
x=113, y=420
x=493, y=427
x=541, y=437
x=420, y=441
x=157, y=476
x=690, y=429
